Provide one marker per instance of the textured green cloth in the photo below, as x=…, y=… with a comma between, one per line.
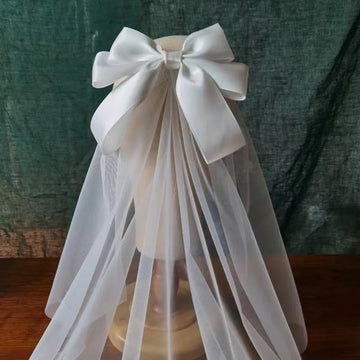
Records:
x=302, y=108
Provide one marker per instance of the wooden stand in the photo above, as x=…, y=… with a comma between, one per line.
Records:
x=185, y=339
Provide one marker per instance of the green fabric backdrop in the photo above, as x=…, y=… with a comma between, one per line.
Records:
x=302, y=108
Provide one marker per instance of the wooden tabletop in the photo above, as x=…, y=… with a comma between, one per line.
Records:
x=329, y=288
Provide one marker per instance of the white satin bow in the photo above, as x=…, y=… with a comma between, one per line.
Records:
x=206, y=74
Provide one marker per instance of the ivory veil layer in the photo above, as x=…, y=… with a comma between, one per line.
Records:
x=174, y=188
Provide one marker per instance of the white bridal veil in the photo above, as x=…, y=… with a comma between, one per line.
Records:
x=174, y=251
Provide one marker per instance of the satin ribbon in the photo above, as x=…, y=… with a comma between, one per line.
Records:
x=206, y=74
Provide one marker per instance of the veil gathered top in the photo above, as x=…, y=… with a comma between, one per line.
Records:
x=174, y=223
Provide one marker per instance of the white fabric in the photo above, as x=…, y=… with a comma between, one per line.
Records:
x=222, y=205
x=205, y=74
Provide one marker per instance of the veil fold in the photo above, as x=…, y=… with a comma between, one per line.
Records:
x=169, y=250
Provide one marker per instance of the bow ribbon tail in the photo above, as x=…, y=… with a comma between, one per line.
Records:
x=111, y=119
x=209, y=117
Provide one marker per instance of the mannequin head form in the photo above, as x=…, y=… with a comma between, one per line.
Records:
x=171, y=43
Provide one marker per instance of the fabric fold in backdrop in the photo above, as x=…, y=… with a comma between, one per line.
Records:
x=174, y=251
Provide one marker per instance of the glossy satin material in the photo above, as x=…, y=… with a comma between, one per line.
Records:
x=206, y=74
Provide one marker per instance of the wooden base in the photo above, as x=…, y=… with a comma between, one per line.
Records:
x=186, y=342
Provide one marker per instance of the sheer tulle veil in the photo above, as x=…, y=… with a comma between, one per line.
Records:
x=171, y=235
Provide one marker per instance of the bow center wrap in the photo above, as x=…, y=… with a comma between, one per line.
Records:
x=172, y=59
x=206, y=74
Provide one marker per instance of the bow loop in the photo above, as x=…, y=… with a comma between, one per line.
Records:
x=130, y=52
x=205, y=75
x=231, y=78
x=209, y=43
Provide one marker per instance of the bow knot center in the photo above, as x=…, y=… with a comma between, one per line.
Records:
x=172, y=59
